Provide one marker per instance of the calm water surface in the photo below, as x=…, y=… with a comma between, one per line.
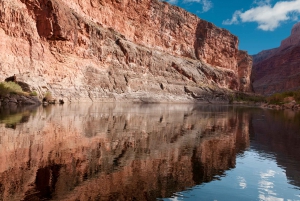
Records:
x=149, y=152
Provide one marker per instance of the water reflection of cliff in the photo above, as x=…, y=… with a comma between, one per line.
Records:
x=118, y=152
x=15, y=115
x=278, y=133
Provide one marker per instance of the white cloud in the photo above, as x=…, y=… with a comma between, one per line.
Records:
x=267, y=17
x=262, y=2
x=206, y=4
x=172, y=1
x=234, y=19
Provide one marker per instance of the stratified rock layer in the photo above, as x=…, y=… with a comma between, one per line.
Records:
x=278, y=70
x=118, y=50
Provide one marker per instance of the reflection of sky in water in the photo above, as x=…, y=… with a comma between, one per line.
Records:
x=254, y=178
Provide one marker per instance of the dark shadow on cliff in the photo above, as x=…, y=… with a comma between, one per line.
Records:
x=200, y=37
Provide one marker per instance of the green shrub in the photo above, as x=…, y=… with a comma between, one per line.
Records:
x=10, y=88
x=248, y=97
x=33, y=93
x=297, y=96
x=3, y=89
x=230, y=98
x=48, y=96
x=278, y=98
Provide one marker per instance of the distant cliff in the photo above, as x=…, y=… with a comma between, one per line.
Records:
x=119, y=50
x=278, y=69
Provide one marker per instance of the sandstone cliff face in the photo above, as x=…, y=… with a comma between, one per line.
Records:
x=118, y=50
x=293, y=39
x=278, y=70
x=244, y=72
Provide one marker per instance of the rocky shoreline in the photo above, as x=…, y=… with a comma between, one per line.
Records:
x=13, y=100
x=19, y=100
x=291, y=106
x=286, y=106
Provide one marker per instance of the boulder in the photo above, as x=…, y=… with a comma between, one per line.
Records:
x=52, y=101
x=288, y=99
x=31, y=101
x=13, y=100
x=289, y=105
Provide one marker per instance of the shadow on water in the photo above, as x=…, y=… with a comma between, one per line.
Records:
x=121, y=152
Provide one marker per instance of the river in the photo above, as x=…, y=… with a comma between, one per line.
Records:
x=113, y=151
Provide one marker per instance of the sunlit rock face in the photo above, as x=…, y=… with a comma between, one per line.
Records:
x=277, y=70
x=116, y=50
x=116, y=152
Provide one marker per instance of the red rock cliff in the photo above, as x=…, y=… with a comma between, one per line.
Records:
x=278, y=70
x=115, y=50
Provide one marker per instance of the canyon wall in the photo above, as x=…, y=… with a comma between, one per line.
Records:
x=278, y=69
x=244, y=72
x=118, y=50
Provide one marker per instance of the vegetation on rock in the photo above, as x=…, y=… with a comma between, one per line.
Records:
x=12, y=93
x=47, y=96
x=246, y=97
x=11, y=88
x=33, y=93
x=281, y=98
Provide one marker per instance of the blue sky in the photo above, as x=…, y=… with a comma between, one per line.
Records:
x=259, y=24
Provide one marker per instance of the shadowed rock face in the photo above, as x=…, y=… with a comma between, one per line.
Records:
x=277, y=70
x=244, y=71
x=115, y=152
x=117, y=50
